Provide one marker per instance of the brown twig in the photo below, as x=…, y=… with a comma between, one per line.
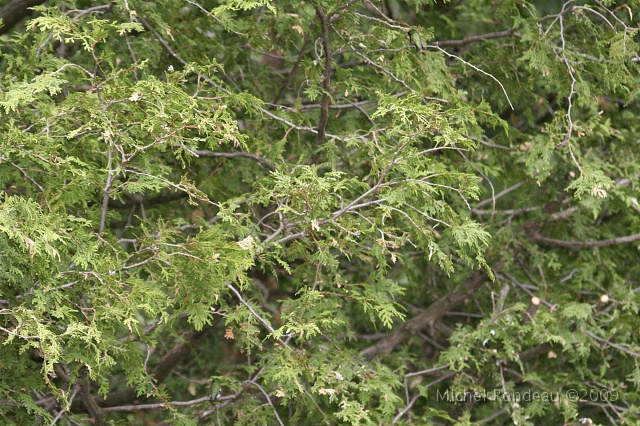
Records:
x=90, y=404
x=326, y=78
x=436, y=310
x=166, y=365
x=293, y=72
x=528, y=315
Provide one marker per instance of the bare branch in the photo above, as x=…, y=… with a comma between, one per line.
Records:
x=106, y=193
x=451, y=55
x=405, y=409
x=436, y=310
x=499, y=194
x=428, y=371
x=526, y=289
x=166, y=365
x=613, y=345
x=142, y=407
x=326, y=77
x=415, y=398
x=477, y=38
x=211, y=15
x=528, y=315
x=90, y=403
x=572, y=92
x=586, y=244
x=383, y=69
x=266, y=395
x=95, y=9
x=511, y=212
x=565, y=10
x=207, y=153
x=293, y=72
x=255, y=314
x=168, y=48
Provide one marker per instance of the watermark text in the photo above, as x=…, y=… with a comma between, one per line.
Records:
x=573, y=395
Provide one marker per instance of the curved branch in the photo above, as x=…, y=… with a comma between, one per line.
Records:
x=451, y=55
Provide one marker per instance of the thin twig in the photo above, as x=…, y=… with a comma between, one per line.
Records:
x=613, y=345
x=428, y=371
x=477, y=38
x=511, y=212
x=266, y=395
x=106, y=192
x=477, y=169
x=207, y=153
x=95, y=9
x=586, y=244
x=405, y=409
x=211, y=15
x=142, y=407
x=451, y=55
x=499, y=194
x=168, y=48
x=526, y=289
x=572, y=92
x=255, y=314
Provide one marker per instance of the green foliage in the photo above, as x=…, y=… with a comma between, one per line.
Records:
x=289, y=200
